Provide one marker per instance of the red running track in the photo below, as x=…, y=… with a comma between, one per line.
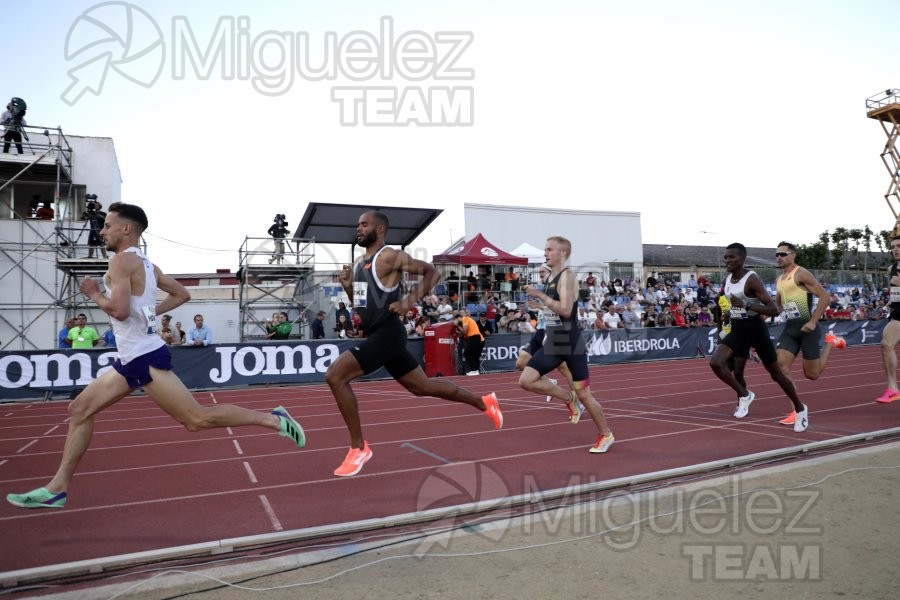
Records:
x=146, y=483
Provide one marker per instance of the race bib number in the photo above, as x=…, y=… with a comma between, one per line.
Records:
x=895, y=294
x=360, y=293
x=791, y=311
x=551, y=319
x=150, y=316
x=738, y=313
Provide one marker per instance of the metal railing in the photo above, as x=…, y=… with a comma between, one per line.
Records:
x=882, y=99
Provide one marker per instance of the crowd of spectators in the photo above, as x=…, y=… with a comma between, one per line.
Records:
x=622, y=303
x=629, y=304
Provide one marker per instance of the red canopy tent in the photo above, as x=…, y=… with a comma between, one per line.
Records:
x=479, y=251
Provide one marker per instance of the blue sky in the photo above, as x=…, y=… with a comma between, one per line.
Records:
x=743, y=119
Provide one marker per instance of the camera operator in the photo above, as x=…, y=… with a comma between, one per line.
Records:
x=13, y=118
x=278, y=231
x=95, y=218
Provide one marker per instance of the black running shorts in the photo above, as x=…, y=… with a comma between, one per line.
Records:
x=751, y=333
x=385, y=347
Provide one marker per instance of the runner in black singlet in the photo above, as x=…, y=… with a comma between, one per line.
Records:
x=373, y=286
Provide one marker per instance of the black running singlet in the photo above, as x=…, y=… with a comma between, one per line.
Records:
x=560, y=331
x=370, y=298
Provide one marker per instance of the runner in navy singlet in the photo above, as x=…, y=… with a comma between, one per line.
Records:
x=563, y=343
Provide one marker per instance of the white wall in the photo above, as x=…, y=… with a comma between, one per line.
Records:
x=96, y=167
x=596, y=236
x=221, y=316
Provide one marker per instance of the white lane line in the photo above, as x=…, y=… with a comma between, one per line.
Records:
x=229, y=430
x=276, y=524
x=237, y=447
x=2, y=462
x=51, y=430
x=22, y=449
x=250, y=472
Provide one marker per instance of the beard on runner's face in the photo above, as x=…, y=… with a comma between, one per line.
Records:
x=367, y=239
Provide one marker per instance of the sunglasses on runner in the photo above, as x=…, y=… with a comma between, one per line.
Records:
x=781, y=254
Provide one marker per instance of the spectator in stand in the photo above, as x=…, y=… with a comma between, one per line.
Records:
x=691, y=315
x=108, y=339
x=692, y=282
x=504, y=315
x=422, y=323
x=444, y=310
x=281, y=327
x=63, y=336
x=527, y=323
x=640, y=299
x=648, y=317
x=611, y=318
x=341, y=310
x=704, y=317
x=166, y=331
x=702, y=281
x=703, y=295
x=44, y=212
x=82, y=335
x=598, y=323
x=491, y=314
x=688, y=296
x=630, y=317
x=591, y=281
x=317, y=326
x=667, y=318
x=430, y=308
x=484, y=326
x=409, y=322
x=356, y=321
x=199, y=335
x=181, y=334
x=678, y=317
x=344, y=327
x=583, y=319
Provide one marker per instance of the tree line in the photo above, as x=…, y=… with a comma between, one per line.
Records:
x=858, y=246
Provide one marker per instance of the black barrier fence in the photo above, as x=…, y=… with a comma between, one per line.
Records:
x=35, y=374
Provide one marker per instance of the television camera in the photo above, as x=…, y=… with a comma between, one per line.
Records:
x=91, y=206
x=279, y=229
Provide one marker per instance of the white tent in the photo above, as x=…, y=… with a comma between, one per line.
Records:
x=534, y=255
